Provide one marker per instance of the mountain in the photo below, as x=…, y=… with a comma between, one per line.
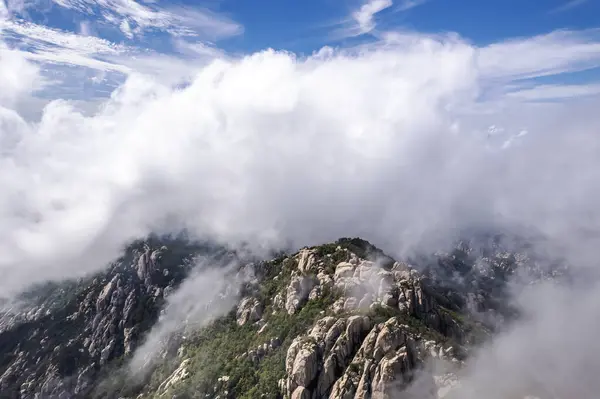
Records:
x=340, y=320
x=56, y=339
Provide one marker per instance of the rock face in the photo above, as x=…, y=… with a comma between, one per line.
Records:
x=386, y=363
x=298, y=292
x=177, y=376
x=338, y=321
x=314, y=361
x=59, y=351
x=249, y=311
x=352, y=358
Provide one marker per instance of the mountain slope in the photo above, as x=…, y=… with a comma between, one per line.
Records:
x=57, y=341
x=339, y=320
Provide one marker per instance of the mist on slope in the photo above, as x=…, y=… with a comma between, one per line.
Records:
x=391, y=142
x=211, y=291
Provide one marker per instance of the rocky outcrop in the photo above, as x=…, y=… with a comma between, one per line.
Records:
x=249, y=311
x=356, y=357
x=177, y=376
x=257, y=354
x=314, y=362
x=386, y=362
x=61, y=351
x=307, y=260
x=346, y=358
x=298, y=292
x=361, y=284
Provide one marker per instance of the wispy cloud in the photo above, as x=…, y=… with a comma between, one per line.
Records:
x=408, y=4
x=53, y=50
x=69, y=62
x=210, y=292
x=364, y=17
x=567, y=6
x=363, y=20
x=556, y=92
x=187, y=34
x=549, y=54
x=39, y=38
x=134, y=18
x=517, y=59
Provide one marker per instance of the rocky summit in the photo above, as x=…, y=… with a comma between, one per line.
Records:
x=341, y=320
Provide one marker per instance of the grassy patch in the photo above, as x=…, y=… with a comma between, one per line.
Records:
x=216, y=350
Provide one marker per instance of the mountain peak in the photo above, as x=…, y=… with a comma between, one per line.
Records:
x=338, y=320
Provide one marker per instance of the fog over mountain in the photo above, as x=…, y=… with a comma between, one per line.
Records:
x=390, y=142
x=410, y=142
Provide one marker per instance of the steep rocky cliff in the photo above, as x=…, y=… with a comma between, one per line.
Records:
x=341, y=320
x=56, y=340
x=344, y=320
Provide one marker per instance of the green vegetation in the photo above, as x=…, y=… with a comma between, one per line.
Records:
x=366, y=250
x=474, y=331
x=221, y=349
x=381, y=313
x=218, y=350
x=459, y=318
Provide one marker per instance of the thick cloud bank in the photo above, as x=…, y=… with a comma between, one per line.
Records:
x=391, y=142
x=404, y=143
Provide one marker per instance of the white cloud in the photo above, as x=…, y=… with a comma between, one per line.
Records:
x=210, y=292
x=557, y=52
x=10, y=7
x=134, y=18
x=550, y=354
x=126, y=29
x=46, y=45
x=17, y=76
x=362, y=21
x=364, y=17
x=66, y=58
x=86, y=28
x=71, y=64
x=205, y=24
x=408, y=4
x=197, y=49
x=41, y=37
x=271, y=148
x=556, y=91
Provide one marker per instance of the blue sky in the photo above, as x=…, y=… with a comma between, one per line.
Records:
x=306, y=25
x=106, y=40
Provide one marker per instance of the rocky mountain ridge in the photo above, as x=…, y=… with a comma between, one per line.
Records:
x=58, y=339
x=340, y=320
